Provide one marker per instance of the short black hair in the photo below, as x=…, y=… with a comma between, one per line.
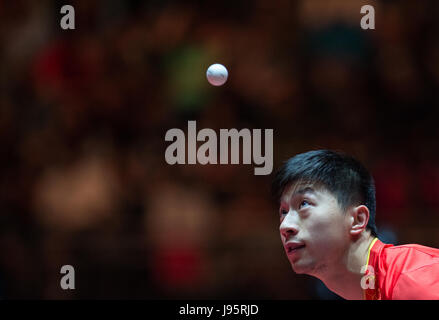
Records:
x=342, y=175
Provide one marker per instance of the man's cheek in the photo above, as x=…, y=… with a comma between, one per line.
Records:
x=322, y=241
x=321, y=246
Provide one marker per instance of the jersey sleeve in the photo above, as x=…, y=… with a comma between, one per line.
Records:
x=418, y=284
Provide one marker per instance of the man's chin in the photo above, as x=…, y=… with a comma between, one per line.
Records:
x=300, y=268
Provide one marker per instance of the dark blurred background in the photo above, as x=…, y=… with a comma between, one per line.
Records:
x=84, y=112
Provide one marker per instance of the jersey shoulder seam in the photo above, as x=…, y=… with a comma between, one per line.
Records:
x=425, y=265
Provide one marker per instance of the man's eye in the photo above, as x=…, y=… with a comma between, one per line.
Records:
x=304, y=203
x=283, y=212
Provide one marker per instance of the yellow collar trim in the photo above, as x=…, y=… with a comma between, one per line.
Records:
x=367, y=262
x=368, y=250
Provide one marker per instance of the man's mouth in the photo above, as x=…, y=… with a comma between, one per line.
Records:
x=294, y=247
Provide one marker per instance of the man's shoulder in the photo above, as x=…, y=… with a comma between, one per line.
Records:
x=407, y=270
x=409, y=257
x=415, y=271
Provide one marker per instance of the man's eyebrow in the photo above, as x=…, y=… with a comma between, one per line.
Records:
x=303, y=191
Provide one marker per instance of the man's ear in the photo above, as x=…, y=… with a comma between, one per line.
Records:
x=359, y=219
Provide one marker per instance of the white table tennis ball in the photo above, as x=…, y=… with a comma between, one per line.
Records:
x=217, y=74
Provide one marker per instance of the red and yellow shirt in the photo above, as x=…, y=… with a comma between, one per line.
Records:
x=406, y=272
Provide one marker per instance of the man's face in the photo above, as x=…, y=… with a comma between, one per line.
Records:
x=313, y=228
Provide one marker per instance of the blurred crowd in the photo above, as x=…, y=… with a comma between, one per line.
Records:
x=84, y=112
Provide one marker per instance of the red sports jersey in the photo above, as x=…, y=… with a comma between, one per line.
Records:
x=406, y=272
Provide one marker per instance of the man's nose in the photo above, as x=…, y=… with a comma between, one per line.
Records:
x=288, y=227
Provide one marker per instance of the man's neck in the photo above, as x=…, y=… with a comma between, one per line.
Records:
x=345, y=279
